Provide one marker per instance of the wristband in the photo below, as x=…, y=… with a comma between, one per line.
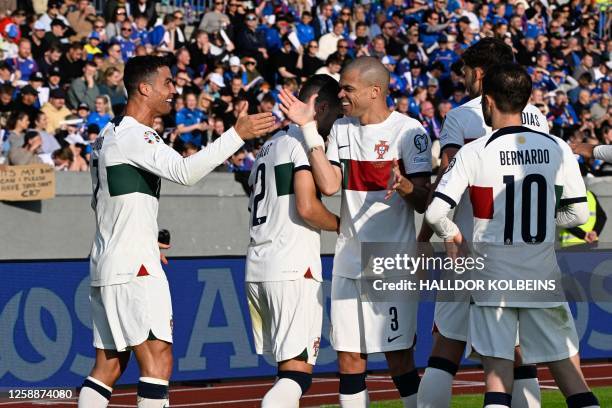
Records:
x=312, y=138
x=448, y=230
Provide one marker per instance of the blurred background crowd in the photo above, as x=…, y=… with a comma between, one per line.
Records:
x=61, y=64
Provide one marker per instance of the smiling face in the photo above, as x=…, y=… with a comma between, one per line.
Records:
x=355, y=95
x=100, y=105
x=162, y=92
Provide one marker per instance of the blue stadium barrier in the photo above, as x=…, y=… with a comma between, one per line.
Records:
x=46, y=339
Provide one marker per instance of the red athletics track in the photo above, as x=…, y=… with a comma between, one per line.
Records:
x=324, y=390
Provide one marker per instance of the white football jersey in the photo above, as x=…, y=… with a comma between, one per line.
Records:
x=128, y=161
x=464, y=124
x=516, y=178
x=283, y=246
x=365, y=155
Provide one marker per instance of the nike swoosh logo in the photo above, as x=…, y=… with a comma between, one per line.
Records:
x=342, y=147
x=390, y=339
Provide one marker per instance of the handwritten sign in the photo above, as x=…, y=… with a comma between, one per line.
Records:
x=27, y=183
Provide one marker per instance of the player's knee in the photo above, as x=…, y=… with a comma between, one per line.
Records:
x=400, y=361
x=304, y=380
x=108, y=372
x=351, y=362
x=449, y=349
x=160, y=365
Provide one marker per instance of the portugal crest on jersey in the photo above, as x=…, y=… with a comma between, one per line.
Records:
x=381, y=149
x=151, y=137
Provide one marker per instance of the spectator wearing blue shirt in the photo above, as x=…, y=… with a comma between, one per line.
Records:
x=191, y=122
x=304, y=30
x=535, y=24
x=414, y=102
x=431, y=29
x=128, y=46
x=140, y=33
x=584, y=83
x=345, y=16
x=273, y=32
x=499, y=15
x=102, y=113
x=324, y=23
x=562, y=113
x=161, y=32
x=397, y=83
x=459, y=96
x=483, y=13
x=415, y=76
x=538, y=79
x=443, y=54
x=24, y=62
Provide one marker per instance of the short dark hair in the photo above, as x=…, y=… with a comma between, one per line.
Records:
x=168, y=18
x=268, y=98
x=486, y=53
x=322, y=84
x=30, y=134
x=141, y=69
x=6, y=89
x=186, y=94
x=333, y=59
x=509, y=85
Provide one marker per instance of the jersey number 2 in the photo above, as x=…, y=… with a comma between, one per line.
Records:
x=260, y=179
x=526, y=206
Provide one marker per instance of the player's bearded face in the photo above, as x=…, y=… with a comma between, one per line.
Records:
x=486, y=111
x=353, y=94
x=472, y=86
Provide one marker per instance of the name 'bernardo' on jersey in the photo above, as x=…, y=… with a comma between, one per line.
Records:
x=523, y=157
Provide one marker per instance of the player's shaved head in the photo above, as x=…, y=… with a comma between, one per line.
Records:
x=364, y=85
x=370, y=72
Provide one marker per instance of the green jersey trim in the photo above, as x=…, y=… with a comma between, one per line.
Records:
x=127, y=179
x=283, y=174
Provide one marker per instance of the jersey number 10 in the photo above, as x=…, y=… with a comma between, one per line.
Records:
x=526, y=205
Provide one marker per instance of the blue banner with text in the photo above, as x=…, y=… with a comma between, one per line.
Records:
x=46, y=337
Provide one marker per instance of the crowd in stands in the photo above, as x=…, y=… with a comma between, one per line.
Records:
x=61, y=64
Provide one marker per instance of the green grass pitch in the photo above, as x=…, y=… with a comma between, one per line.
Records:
x=550, y=399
